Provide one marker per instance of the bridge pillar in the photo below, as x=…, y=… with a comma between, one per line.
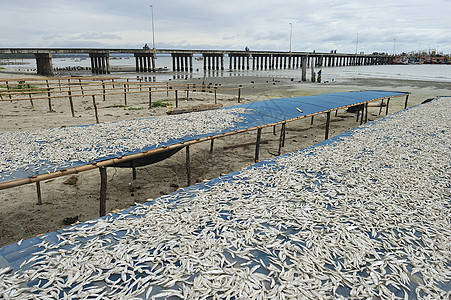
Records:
x=100, y=63
x=44, y=63
x=304, y=68
x=213, y=61
x=182, y=62
x=145, y=62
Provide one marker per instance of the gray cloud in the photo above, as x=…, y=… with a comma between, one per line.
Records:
x=260, y=24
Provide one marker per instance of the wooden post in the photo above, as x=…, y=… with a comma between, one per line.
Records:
x=380, y=108
x=187, y=92
x=103, y=85
x=71, y=104
x=239, y=93
x=38, y=191
x=150, y=97
x=282, y=137
x=274, y=130
x=405, y=104
x=211, y=145
x=188, y=167
x=103, y=186
x=29, y=95
x=49, y=96
x=336, y=112
x=327, y=125
x=7, y=88
x=167, y=89
x=311, y=122
x=134, y=169
x=125, y=94
x=95, y=108
x=386, y=108
x=366, y=112
x=176, y=99
x=216, y=100
x=81, y=87
x=362, y=112
x=257, y=144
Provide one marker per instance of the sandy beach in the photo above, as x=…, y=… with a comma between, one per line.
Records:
x=22, y=218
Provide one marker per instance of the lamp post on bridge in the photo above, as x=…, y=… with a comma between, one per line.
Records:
x=153, y=32
x=291, y=33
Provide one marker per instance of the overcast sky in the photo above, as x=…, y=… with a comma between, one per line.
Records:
x=380, y=25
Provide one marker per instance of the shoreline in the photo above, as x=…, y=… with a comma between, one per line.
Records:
x=22, y=218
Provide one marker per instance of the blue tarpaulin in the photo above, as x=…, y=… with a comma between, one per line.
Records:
x=330, y=218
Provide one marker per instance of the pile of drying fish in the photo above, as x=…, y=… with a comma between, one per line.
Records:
x=367, y=216
x=48, y=150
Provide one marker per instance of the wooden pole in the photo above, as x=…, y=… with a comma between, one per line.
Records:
x=405, y=104
x=327, y=125
x=95, y=108
x=134, y=169
x=257, y=145
x=29, y=95
x=187, y=92
x=366, y=112
x=176, y=99
x=125, y=94
x=188, y=167
x=150, y=97
x=103, y=186
x=7, y=88
x=380, y=108
x=211, y=145
x=362, y=112
x=103, y=86
x=216, y=100
x=49, y=96
x=239, y=93
x=281, y=142
x=81, y=87
x=71, y=104
x=311, y=122
x=38, y=191
x=386, y=108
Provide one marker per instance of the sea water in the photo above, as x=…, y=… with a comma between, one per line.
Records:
x=437, y=73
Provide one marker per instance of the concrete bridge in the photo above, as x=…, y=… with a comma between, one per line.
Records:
x=182, y=60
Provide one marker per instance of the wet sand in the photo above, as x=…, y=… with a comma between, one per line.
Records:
x=22, y=218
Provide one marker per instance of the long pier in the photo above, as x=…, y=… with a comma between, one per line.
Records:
x=182, y=60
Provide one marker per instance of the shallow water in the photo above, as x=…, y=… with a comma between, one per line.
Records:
x=437, y=73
